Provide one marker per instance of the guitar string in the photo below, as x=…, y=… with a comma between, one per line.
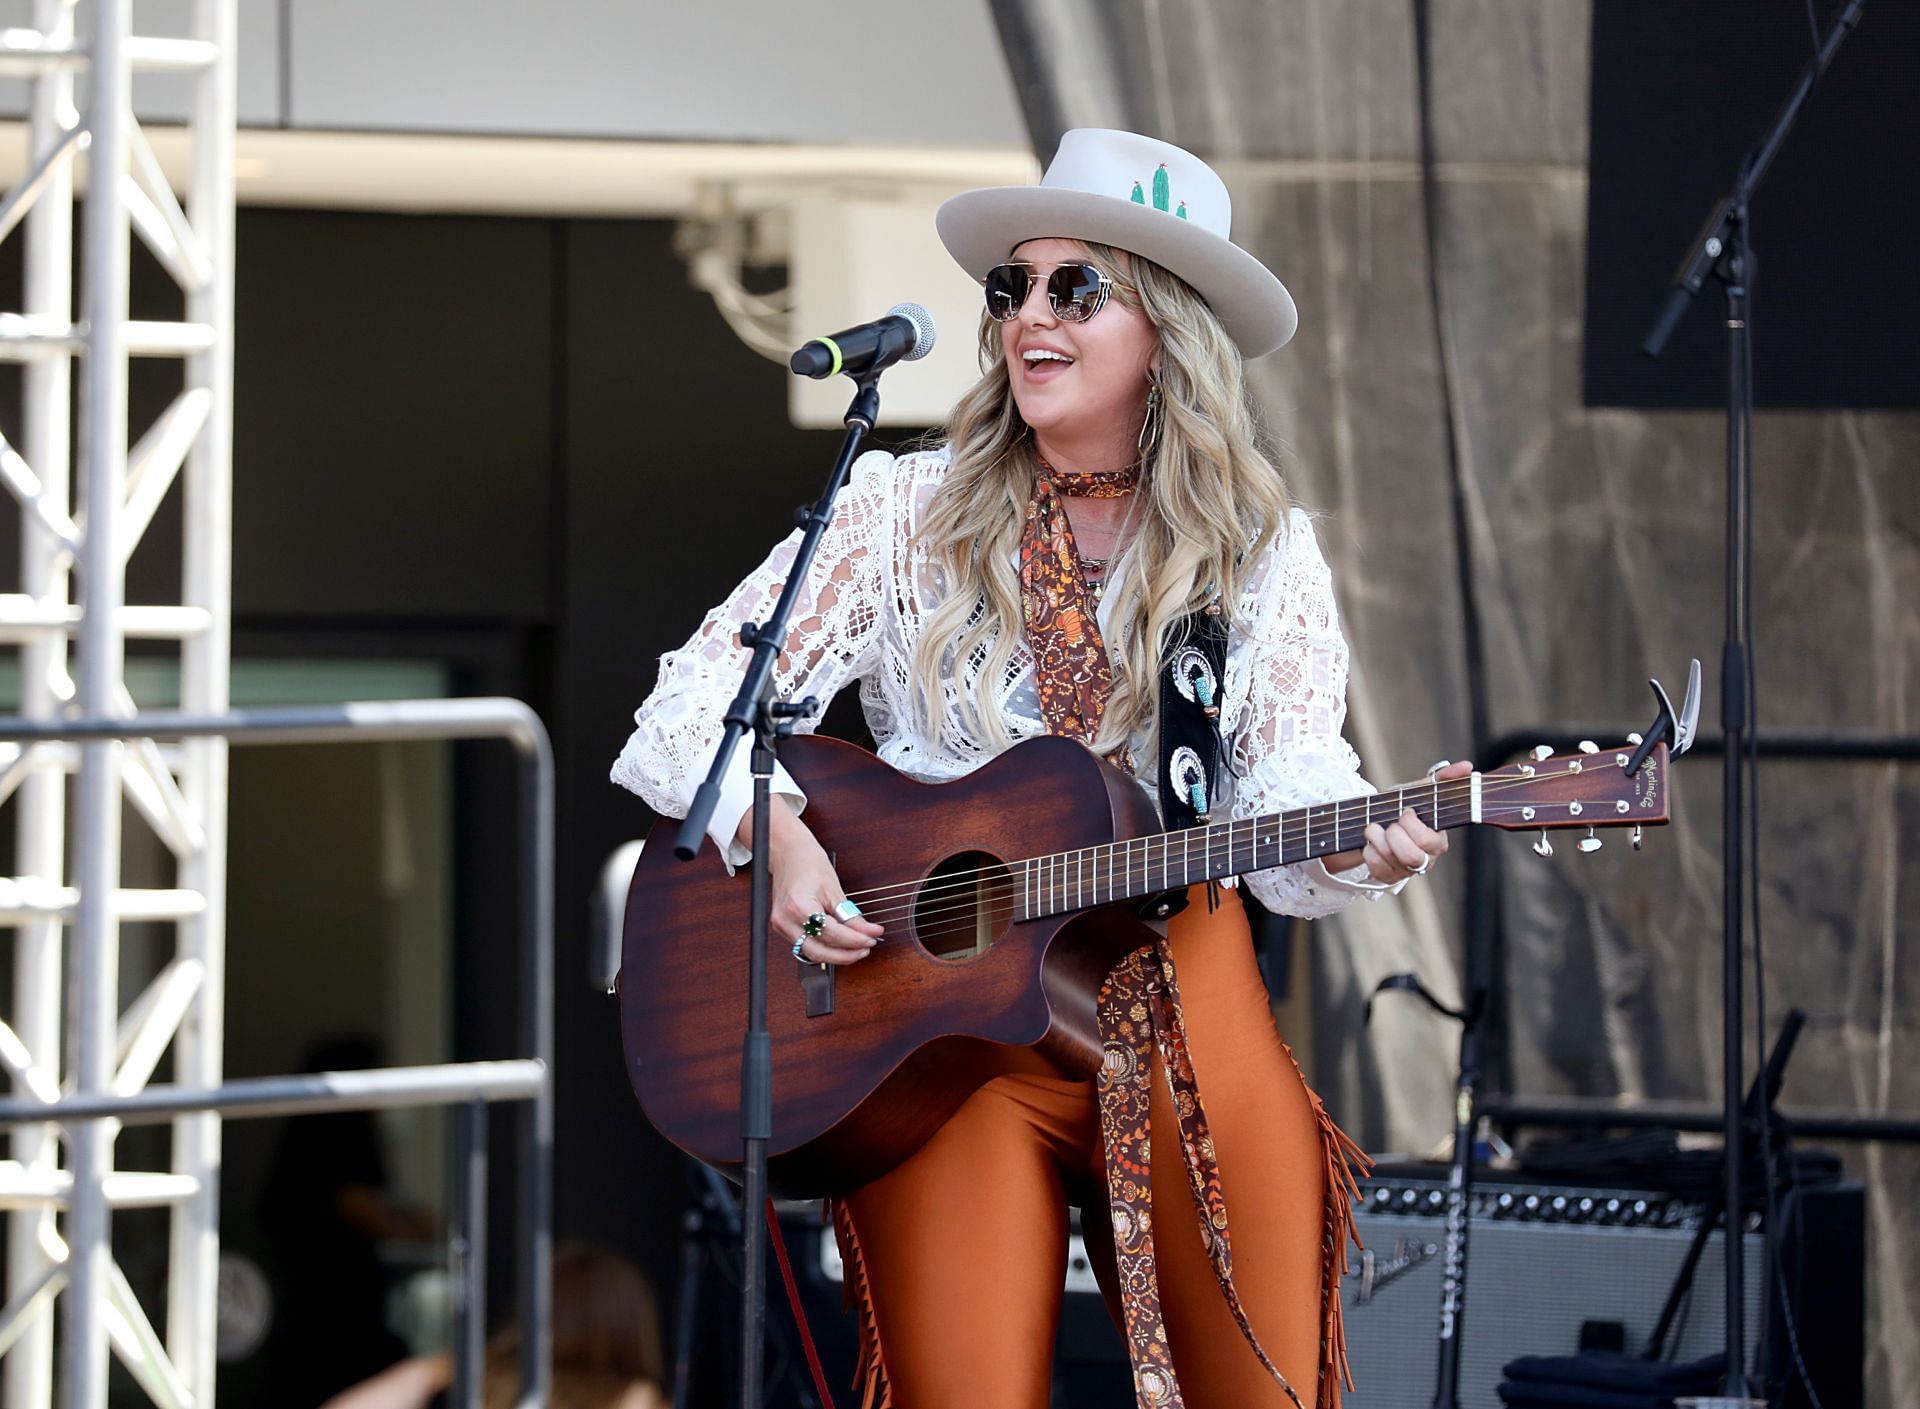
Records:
x=971, y=897
x=1457, y=793
x=1003, y=881
x=1146, y=862
x=1000, y=896
x=999, y=893
x=993, y=894
x=1452, y=790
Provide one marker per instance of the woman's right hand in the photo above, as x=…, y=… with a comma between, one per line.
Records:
x=804, y=884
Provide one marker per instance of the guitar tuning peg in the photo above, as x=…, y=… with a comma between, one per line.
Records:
x=1636, y=836
x=1589, y=842
x=1542, y=752
x=1543, y=847
x=1589, y=746
x=1636, y=738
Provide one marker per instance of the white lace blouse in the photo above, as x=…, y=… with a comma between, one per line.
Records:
x=858, y=618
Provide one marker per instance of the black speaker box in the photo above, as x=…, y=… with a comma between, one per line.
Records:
x=1553, y=1267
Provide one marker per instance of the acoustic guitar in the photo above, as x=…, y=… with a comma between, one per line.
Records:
x=1007, y=895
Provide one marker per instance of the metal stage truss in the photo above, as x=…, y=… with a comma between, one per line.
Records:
x=72, y=604
x=467, y=1085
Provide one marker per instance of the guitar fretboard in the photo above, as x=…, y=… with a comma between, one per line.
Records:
x=1128, y=870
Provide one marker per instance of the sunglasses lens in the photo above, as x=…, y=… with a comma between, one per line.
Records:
x=1007, y=286
x=1075, y=292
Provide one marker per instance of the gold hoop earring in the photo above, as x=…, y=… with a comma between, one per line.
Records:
x=1149, y=440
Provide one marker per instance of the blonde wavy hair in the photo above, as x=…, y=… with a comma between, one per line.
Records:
x=1213, y=499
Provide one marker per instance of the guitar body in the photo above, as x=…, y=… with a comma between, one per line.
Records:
x=957, y=993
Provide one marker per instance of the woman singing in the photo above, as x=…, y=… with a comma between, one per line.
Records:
x=1100, y=515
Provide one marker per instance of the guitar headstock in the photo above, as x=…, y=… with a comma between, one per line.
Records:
x=1590, y=789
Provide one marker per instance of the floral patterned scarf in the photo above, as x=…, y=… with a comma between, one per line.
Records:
x=1071, y=672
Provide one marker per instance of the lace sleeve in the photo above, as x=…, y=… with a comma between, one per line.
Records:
x=833, y=638
x=1288, y=748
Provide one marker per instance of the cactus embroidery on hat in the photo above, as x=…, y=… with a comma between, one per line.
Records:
x=1162, y=193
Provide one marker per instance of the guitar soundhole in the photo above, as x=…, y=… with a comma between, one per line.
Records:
x=964, y=906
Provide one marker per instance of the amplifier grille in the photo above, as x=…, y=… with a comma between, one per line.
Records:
x=1530, y=1285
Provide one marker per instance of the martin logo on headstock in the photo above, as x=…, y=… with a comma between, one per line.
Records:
x=1647, y=787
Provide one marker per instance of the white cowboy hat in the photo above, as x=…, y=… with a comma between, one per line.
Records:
x=1137, y=194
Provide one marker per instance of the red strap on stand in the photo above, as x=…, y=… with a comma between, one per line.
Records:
x=799, y=1312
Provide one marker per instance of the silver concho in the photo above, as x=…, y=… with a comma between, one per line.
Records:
x=1184, y=770
x=1189, y=662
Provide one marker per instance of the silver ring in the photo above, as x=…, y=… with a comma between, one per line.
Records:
x=815, y=923
x=1421, y=869
x=798, y=945
x=846, y=910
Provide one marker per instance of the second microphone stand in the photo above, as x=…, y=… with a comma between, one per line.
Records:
x=1722, y=251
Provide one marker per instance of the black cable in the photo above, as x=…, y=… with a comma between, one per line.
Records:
x=1478, y=961
x=1773, y=1234
x=1472, y=640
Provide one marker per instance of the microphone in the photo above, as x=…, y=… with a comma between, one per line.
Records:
x=904, y=335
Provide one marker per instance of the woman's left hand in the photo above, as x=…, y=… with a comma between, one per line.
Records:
x=1405, y=848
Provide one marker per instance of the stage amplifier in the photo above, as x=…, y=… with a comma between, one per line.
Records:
x=1548, y=1264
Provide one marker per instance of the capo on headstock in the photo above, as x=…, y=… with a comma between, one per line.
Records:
x=1677, y=731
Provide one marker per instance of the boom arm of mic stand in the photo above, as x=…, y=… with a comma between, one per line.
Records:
x=1714, y=237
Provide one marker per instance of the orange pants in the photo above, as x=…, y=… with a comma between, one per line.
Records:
x=963, y=1247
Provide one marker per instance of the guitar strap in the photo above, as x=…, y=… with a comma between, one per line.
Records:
x=1191, y=746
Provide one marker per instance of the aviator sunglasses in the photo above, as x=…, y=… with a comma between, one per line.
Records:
x=1075, y=292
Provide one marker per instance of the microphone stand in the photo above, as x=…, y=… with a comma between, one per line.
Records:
x=1723, y=250
x=769, y=720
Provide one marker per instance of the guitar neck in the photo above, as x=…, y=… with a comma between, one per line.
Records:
x=1143, y=866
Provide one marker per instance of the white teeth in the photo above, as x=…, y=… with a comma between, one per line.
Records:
x=1041, y=354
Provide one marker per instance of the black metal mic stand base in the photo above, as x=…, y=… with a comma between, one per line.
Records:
x=710, y=1238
